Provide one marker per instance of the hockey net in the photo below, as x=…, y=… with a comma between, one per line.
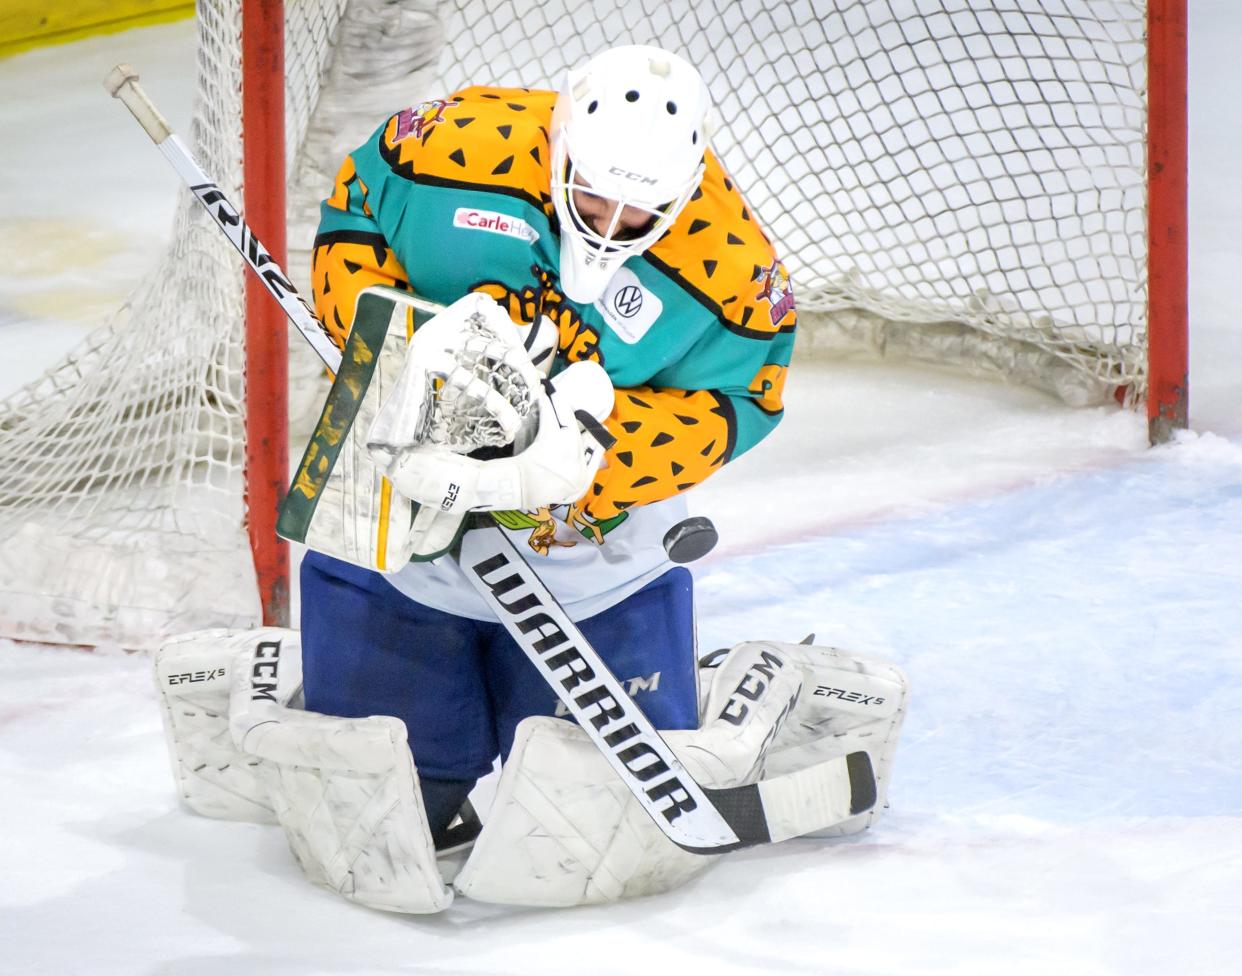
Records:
x=953, y=181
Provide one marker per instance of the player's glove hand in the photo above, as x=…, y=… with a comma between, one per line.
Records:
x=556, y=468
x=467, y=382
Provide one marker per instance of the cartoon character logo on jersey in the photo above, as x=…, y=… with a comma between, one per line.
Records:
x=415, y=122
x=542, y=522
x=576, y=340
x=776, y=290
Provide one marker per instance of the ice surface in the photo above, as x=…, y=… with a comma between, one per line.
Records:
x=1067, y=797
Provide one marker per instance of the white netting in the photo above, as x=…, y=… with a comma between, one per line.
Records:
x=974, y=165
x=958, y=180
x=121, y=513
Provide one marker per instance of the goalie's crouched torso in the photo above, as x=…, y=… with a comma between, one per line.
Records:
x=452, y=196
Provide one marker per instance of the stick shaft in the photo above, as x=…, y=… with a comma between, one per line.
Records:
x=573, y=668
x=122, y=82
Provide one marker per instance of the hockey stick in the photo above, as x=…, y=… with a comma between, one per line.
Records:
x=697, y=819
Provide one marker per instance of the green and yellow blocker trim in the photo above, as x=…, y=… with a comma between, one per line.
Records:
x=358, y=362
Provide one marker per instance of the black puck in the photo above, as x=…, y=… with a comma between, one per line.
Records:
x=690, y=539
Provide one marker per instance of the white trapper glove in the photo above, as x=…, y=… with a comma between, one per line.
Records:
x=556, y=468
x=467, y=382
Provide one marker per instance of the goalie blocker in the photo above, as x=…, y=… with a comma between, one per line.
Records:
x=563, y=829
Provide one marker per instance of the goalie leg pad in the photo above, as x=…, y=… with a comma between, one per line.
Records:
x=359, y=832
x=346, y=793
x=564, y=830
x=193, y=673
x=849, y=703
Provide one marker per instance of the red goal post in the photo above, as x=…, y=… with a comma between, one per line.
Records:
x=1167, y=235
x=267, y=343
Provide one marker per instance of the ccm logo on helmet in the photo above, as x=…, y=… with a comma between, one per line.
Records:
x=618, y=171
x=496, y=223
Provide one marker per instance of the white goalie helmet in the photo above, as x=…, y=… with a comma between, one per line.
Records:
x=628, y=136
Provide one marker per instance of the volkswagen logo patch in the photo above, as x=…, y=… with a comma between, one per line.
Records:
x=628, y=301
x=629, y=308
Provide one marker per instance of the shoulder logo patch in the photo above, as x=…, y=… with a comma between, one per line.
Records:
x=472, y=218
x=414, y=122
x=628, y=307
x=776, y=290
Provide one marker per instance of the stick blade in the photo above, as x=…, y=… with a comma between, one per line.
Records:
x=819, y=796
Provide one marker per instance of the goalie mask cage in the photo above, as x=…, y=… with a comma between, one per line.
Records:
x=997, y=183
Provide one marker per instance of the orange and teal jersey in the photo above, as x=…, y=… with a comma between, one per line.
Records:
x=452, y=196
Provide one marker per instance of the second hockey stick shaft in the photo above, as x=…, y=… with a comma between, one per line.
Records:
x=122, y=83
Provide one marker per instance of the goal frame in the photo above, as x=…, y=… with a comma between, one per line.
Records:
x=266, y=449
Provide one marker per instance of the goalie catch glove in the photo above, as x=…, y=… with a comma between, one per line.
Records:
x=556, y=468
x=467, y=382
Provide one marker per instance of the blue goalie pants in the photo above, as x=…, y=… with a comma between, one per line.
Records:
x=460, y=685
